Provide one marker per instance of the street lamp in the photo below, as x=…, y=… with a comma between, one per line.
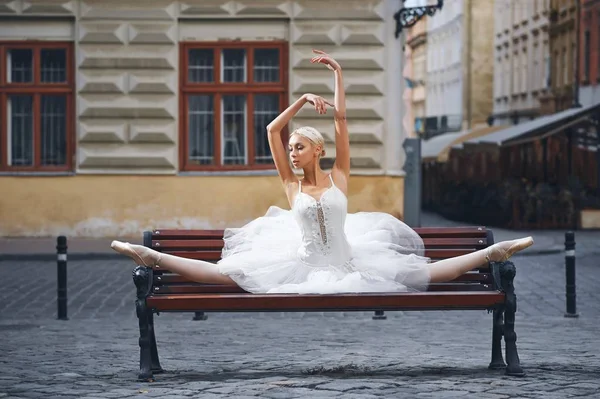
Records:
x=408, y=16
x=405, y=18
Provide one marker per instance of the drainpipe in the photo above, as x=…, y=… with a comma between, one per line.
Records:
x=467, y=24
x=576, y=103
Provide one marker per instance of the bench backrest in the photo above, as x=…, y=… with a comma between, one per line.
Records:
x=440, y=243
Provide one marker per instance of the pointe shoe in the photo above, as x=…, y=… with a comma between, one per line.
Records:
x=496, y=252
x=141, y=255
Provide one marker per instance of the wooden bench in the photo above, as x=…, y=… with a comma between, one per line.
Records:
x=489, y=289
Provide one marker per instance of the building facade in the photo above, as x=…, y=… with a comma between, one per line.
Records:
x=589, y=53
x=416, y=41
x=459, y=66
x=563, y=55
x=124, y=115
x=522, y=59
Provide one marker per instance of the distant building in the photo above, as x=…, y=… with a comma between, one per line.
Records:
x=417, y=41
x=563, y=53
x=589, y=53
x=522, y=66
x=459, y=66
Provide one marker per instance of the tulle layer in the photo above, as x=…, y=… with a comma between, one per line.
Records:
x=387, y=256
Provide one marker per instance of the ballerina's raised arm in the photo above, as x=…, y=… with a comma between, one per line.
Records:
x=341, y=167
x=275, y=128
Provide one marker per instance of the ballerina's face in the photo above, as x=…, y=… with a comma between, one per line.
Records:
x=302, y=151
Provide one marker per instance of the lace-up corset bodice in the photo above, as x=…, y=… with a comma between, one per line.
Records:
x=322, y=225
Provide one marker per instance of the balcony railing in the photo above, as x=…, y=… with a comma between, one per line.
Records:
x=431, y=126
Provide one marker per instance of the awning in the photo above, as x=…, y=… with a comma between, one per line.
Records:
x=537, y=128
x=438, y=147
x=430, y=149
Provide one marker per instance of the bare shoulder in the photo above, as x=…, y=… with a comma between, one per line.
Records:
x=340, y=178
x=291, y=188
x=290, y=182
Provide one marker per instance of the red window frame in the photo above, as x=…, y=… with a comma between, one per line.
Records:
x=218, y=88
x=36, y=89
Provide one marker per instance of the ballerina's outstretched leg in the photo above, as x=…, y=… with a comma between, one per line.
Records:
x=192, y=269
x=449, y=269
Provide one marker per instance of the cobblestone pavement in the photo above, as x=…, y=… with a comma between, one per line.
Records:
x=287, y=355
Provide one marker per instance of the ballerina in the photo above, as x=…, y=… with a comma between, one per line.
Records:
x=317, y=246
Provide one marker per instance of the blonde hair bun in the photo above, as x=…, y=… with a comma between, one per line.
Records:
x=313, y=135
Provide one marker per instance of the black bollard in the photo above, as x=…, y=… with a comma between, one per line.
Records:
x=379, y=315
x=570, y=274
x=200, y=316
x=61, y=269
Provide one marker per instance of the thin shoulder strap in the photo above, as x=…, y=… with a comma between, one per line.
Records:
x=331, y=178
x=299, y=186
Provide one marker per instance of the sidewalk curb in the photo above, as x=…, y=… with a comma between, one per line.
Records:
x=547, y=251
x=52, y=257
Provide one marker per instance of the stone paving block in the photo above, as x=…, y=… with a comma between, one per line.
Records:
x=485, y=395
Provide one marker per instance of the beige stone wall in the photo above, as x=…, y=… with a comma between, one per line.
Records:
x=479, y=41
x=117, y=206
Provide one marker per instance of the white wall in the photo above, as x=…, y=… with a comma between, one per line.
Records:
x=444, y=65
x=521, y=55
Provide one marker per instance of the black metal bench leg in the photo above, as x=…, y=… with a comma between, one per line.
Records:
x=142, y=277
x=156, y=369
x=497, y=362
x=507, y=275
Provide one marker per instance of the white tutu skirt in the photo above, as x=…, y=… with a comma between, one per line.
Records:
x=386, y=256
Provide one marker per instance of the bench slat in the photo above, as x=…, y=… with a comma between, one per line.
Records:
x=201, y=289
x=466, y=231
x=463, y=243
x=183, y=234
x=168, y=279
x=196, y=244
x=337, y=302
x=201, y=255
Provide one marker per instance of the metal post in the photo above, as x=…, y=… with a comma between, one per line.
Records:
x=61, y=268
x=379, y=315
x=199, y=316
x=570, y=274
x=412, y=181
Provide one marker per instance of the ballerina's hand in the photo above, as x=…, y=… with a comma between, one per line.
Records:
x=324, y=58
x=319, y=102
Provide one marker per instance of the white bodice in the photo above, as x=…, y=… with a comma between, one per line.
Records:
x=321, y=222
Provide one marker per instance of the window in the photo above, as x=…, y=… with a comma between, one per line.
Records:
x=498, y=73
x=556, y=71
x=230, y=93
x=507, y=74
x=534, y=72
x=36, y=106
x=586, y=56
x=548, y=62
x=515, y=70
x=524, y=64
x=565, y=68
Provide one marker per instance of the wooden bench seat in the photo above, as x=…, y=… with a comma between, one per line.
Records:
x=490, y=288
x=242, y=302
